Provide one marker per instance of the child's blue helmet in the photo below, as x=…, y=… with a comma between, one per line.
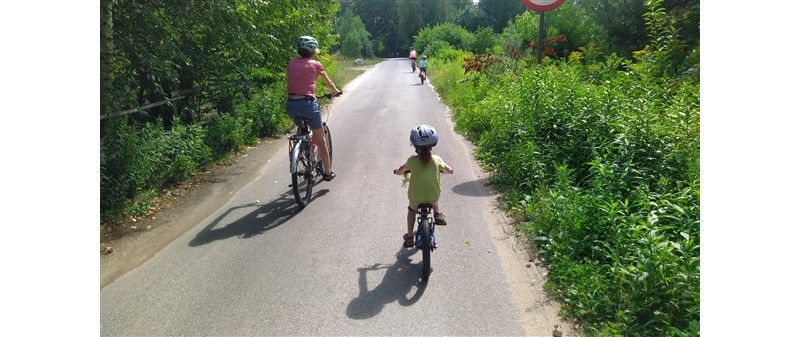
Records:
x=424, y=136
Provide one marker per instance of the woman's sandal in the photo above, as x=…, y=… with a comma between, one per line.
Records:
x=329, y=176
x=408, y=240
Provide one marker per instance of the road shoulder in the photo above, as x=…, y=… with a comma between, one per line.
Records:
x=210, y=193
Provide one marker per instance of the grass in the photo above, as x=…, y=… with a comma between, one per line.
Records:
x=346, y=70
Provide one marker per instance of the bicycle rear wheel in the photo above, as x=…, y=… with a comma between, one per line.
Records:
x=426, y=247
x=303, y=178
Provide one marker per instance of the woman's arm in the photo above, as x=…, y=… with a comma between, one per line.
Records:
x=330, y=84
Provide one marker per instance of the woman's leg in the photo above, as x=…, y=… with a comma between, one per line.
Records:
x=322, y=145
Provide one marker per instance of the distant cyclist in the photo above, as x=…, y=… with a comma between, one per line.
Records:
x=412, y=55
x=301, y=81
x=425, y=186
x=423, y=66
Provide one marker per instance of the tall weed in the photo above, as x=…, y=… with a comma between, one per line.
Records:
x=600, y=160
x=135, y=160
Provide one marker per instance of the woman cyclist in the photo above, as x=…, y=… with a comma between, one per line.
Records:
x=412, y=55
x=301, y=81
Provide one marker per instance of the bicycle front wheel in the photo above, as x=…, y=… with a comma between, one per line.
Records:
x=303, y=178
x=426, y=247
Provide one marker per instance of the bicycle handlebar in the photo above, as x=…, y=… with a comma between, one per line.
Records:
x=329, y=95
x=409, y=171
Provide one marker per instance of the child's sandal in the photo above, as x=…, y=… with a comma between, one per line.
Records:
x=439, y=218
x=408, y=240
x=328, y=176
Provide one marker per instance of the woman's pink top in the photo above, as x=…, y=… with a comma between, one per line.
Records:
x=301, y=76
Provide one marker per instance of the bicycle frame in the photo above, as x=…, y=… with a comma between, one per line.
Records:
x=295, y=146
x=303, y=152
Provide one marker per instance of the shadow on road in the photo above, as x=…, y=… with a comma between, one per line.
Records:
x=476, y=188
x=399, y=280
x=263, y=218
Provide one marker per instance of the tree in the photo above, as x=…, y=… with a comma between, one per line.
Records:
x=472, y=17
x=622, y=22
x=165, y=48
x=413, y=15
x=499, y=12
x=106, y=52
x=353, y=36
x=380, y=21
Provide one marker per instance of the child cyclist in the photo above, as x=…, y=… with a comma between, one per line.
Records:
x=301, y=81
x=425, y=186
x=423, y=66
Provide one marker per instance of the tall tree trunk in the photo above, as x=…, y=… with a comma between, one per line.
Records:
x=106, y=50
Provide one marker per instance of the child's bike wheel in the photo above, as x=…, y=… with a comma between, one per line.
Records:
x=426, y=247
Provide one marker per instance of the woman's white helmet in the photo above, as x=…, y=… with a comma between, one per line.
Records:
x=424, y=135
x=308, y=43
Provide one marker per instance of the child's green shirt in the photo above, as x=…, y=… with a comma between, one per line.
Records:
x=425, y=186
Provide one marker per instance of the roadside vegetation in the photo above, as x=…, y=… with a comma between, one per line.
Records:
x=224, y=94
x=597, y=155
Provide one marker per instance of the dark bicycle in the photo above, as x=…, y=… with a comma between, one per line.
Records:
x=425, y=237
x=305, y=164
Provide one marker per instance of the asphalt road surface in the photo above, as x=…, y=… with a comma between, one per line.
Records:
x=259, y=266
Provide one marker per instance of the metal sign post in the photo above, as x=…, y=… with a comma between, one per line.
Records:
x=541, y=6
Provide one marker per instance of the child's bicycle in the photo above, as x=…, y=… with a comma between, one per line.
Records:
x=305, y=164
x=424, y=236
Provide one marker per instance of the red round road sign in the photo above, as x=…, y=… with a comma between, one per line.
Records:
x=542, y=5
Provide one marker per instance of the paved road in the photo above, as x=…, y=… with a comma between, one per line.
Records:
x=257, y=266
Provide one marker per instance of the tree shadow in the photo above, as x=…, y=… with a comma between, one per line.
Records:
x=263, y=218
x=397, y=283
x=475, y=188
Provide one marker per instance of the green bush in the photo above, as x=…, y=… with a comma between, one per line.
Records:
x=267, y=111
x=485, y=40
x=431, y=39
x=229, y=133
x=139, y=159
x=600, y=161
